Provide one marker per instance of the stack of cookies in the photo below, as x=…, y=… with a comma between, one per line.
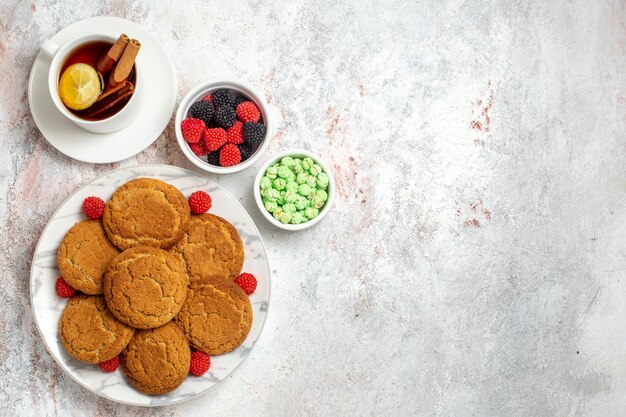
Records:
x=155, y=282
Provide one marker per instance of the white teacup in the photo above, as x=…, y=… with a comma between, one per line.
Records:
x=59, y=53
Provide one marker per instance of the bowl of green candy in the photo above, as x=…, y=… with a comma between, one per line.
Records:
x=294, y=189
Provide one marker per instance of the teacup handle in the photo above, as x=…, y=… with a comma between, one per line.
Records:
x=49, y=48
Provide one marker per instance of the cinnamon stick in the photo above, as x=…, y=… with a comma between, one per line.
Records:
x=125, y=64
x=108, y=60
x=112, y=90
x=110, y=98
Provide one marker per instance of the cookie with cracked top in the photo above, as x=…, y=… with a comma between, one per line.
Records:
x=83, y=256
x=89, y=332
x=216, y=317
x=146, y=212
x=145, y=287
x=211, y=249
x=157, y=361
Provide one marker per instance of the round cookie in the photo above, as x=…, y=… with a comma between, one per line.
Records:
x=89, y=332
x=237, y=263
x=146, y=211
x=84, y=255
x=216, y=317
x=145, y=287
x=211, y=249
x=157, y=361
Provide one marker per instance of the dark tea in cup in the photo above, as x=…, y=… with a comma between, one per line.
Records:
x=98, y=78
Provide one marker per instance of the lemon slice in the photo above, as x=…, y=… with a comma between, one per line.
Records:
x=79, y=86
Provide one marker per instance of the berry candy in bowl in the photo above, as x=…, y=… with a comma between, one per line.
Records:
x=294, y=189
x=223, y=126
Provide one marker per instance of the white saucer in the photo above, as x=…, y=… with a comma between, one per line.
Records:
x=158, y=99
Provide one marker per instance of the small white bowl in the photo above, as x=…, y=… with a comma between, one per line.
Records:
x=299, y=153
x=202, y=90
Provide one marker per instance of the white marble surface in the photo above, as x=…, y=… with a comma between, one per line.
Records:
x=474, y=262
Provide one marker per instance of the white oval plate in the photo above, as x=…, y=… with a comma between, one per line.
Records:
x=47, y=306
x=158, y=98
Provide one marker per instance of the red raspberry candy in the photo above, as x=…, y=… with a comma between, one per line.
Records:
x=63, y=289
x=200, y=363
x=192, y=129
x=199, y=202
x=229, y=155
x=248, y=112
x=198, y=148
x=247, y=282
x=214, y=138
x=111, y=365
x=235, y=133
x=93, y=207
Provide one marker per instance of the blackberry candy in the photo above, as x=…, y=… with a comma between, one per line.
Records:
x=223, y=97
x=202, y=110
x=224, y=116
x=253, y=132
x=238, y=100
x=246, y=151
x=213, y=158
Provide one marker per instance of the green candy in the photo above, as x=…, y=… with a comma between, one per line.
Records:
x=293, y=189
x=281, y=199
x=272, y=194
x=272, y=172
x=322, y=195
x=322, y=180
x=291, y=186
x=304, y=189
x=265, y=182
x=283, y=171
x=301, y=203
x=302, y=178
x=270, y=206
x=290, y=196
x=277, y=213
x=285, y=217
x=298, y=218
x=289, y=208
x=310, y=212
x=280, y=184
x=287, y=161
x=315, y=169
x=317, y=202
